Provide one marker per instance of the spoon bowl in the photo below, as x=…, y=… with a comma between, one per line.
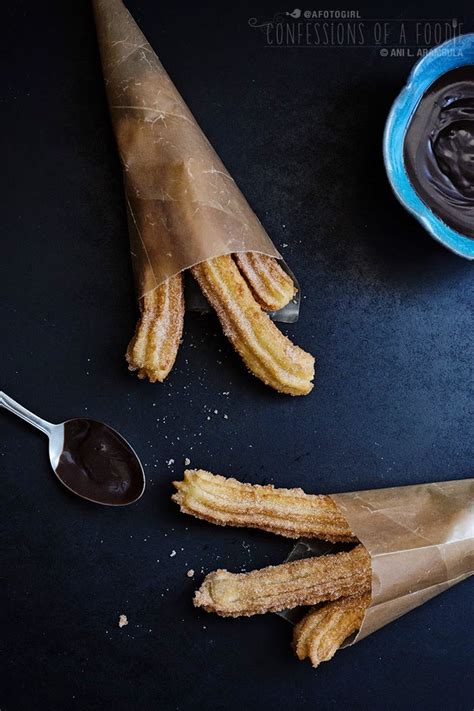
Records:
x=89, y=458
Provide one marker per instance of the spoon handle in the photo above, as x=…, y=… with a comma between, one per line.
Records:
x=9, y=404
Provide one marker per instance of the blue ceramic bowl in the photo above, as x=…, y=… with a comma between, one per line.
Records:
x=450, y=55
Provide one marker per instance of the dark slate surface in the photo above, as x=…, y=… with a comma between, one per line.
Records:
x=387, y=312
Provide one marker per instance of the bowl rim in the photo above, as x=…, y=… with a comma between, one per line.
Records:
x=427, y=69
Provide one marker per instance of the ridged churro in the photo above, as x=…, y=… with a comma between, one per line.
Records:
x=287, y=512
x=271, y=286
x=302, y=582
x=267, y=353
x=153, y=349
x=321, y=632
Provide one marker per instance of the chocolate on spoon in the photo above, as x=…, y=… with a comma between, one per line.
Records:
x=90, y=458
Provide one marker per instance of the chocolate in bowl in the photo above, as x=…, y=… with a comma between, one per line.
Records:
x=438, y=148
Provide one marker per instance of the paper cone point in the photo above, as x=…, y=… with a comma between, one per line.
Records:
x=117, y=32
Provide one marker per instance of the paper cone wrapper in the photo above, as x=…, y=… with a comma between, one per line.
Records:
x=183, y=205
x=420, y=539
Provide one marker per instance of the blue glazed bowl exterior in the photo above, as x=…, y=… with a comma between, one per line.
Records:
x=450, y=55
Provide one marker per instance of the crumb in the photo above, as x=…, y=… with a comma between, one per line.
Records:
x=190, y=573
x=187, y=462
x=170, y=462
x=172, y=554
x=122, y=621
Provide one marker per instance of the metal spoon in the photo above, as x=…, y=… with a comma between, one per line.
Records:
x=90, y=458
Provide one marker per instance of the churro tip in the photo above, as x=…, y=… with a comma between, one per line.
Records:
x=202, y=596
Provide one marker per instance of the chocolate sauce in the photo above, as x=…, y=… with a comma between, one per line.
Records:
x=98, y=464
x=439, y=149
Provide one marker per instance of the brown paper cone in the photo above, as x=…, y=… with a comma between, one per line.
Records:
x=420, y=539
x=183, y=205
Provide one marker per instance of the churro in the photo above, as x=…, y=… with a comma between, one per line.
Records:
x=287, y=512
x=267, y=353
x=321, y=632
x=153, y=349
x=302, y=582
x=271, y=286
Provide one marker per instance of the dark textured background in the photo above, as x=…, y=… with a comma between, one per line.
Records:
x=386, y=311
